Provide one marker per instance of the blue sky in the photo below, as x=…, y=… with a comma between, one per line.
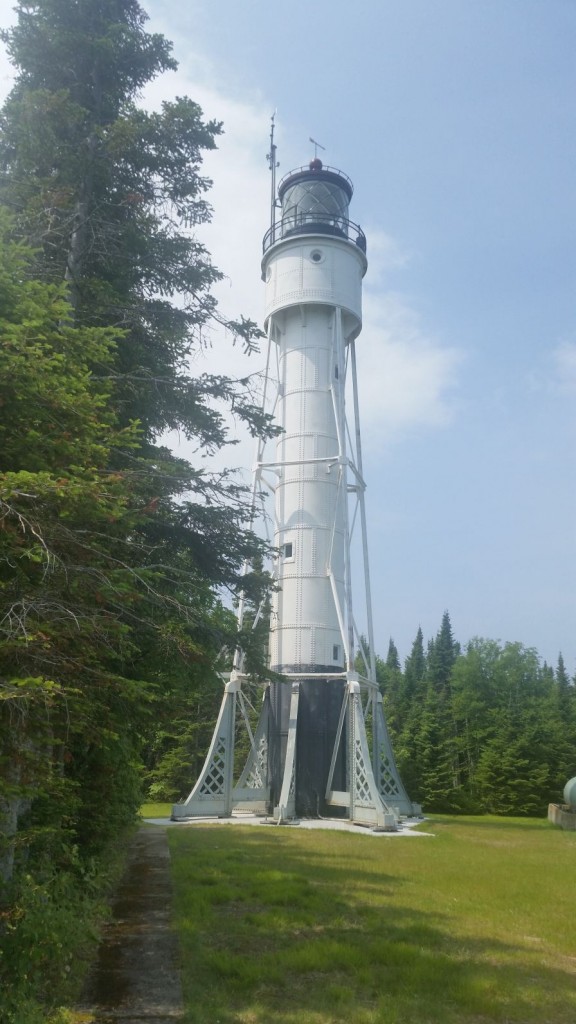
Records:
x=455, y=120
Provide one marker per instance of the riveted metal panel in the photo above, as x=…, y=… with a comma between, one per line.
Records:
x=310, y=497
x=293, y=278
x=310, y=754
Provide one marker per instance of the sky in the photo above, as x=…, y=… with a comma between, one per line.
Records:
x=455, y=120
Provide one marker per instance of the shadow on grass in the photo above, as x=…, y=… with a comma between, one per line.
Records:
x=285, y=928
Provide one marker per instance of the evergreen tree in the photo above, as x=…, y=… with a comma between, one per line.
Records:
x=563, y=712
x=433, y=755
x=415, y=667
x=121, y=549
x=67, y=593
x=564, y=691
x=497, y=735
x=108, y=193
x=512, y=741
x=392, y=658
x=474, y=695
x=442, y=655
x=406, y=716
x=389, y=677
x=412, y=691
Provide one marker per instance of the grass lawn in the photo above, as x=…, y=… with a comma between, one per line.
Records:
x=286, y=925
x=156, y=810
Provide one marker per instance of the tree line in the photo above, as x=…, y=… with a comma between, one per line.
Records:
x=118, y=560
x=487, y=728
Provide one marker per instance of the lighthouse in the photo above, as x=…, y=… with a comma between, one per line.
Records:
x=321, y=747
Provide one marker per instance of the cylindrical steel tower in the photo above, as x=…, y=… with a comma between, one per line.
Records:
x=311, y=753
x=314, y=261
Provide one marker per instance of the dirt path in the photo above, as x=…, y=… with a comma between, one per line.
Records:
x=135, y=979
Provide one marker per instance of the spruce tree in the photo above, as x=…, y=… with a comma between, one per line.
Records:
x=442, y=655
x=415, y=667
x=564, y=690
x=407, y=714
x=67, y=592
x=109, y=195
x=389, y=677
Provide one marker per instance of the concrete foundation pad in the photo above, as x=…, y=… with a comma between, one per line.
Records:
x=406, y=828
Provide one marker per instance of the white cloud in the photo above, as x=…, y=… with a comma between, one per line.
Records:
x=385, y=253
x=406, y=379
x=239, y=197
x=565, y=365
x=555, y=371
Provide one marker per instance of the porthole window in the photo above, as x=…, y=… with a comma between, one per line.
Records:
x=317, y=256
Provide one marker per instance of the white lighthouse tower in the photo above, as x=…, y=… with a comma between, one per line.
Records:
x=321, y=747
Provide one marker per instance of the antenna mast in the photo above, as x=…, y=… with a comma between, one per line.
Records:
x=273, y=164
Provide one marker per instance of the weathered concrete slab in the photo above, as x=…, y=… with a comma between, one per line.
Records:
x=562, y=814
x=136, y=975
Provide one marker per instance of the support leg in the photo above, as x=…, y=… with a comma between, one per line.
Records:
x=362, y=797
x=387, y=776
x=212, y=794
x=286, y=808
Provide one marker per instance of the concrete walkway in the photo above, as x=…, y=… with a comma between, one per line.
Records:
x=135, y=978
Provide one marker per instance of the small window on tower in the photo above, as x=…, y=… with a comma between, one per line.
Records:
x=287, y=550
x=336, y=652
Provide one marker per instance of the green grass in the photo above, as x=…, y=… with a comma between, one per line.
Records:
x=155, y=810
x=294, y=926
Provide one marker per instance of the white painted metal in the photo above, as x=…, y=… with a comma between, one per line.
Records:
x=387, y=777
x=214, y=794
x=313, y=271
x=294, y=275
x=313, y=300
x=286, y=808
x=252, y=791
x=360, y=487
